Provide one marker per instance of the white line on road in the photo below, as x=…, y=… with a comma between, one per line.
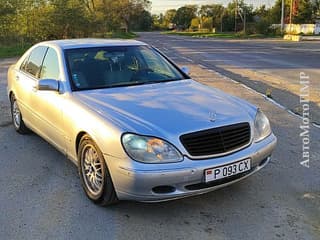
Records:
x=216, y=60
x=263, y=95
x=202, y=66
x=192, y=52
x=188, y=59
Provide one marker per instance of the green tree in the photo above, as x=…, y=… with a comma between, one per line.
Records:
x=142, y=21
x=207, y=23
x=169, y=17
x=213, y=11
x=8, y=11
x=69, y=19
x=184, y=16
x=195, y=22
x=316, y=9
x=231, y=14
x=304, y=12
x=156, y=24
x=125, y=10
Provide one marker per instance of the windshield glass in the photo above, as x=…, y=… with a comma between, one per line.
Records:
x=104, y=67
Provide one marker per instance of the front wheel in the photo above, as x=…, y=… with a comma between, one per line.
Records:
x=94, y=173
x=16, y=115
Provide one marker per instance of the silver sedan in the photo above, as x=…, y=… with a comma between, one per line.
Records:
x=137, y=126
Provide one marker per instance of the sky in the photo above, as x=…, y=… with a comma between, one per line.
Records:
x=160, y=6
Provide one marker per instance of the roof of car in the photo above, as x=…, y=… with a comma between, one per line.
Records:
x=92, y=42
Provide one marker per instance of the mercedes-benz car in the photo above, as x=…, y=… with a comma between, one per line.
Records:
x=136, y=125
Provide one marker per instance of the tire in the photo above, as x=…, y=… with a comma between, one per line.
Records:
x=17, y=118
x=94, y=173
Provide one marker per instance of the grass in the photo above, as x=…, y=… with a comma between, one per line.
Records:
x=122, y=35
x=232, y=35
x=7, y=51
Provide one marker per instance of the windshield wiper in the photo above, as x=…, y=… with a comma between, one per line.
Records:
x=163, y=81
x=128, y=84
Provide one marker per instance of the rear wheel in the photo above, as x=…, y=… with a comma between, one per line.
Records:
x=17, y=119
x=94, y=173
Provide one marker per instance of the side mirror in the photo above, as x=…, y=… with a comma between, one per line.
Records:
x=185, y=70
x=48, y=85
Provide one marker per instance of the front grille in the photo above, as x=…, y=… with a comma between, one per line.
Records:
x=217, y=140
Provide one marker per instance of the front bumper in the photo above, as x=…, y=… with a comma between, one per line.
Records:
x=161, y=182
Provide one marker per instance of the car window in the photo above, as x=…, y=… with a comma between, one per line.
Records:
x=151, y=59
x=50, y=66
x=33, y=65
x=105, y=67
x=24, y=63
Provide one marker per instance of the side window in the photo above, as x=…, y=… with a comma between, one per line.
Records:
x=50, y=66
x=24, y=63
x=35, y=60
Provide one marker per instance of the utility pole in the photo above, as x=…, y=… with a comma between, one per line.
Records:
x=235, y=15
x=282, y=16
x=242, y=14
x=221, y=26
x=245, y=22
x=291, y=9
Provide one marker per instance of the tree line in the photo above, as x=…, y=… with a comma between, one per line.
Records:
x=37, y=20
x=231, y=17
x=28, y=21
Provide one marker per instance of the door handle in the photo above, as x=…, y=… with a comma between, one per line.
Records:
x=17, y=78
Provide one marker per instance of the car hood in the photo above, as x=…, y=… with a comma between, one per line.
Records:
x=166, y=109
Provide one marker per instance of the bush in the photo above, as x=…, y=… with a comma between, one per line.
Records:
x=240, y=34
x=207, y=23
x=263, y=27
x=195, y=22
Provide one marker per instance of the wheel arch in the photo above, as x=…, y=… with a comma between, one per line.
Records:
x=10, y=95
x=78, y=139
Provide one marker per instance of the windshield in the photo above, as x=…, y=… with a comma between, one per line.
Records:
x=104, y=67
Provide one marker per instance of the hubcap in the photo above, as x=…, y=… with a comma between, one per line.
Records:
x=92, y=170
x=16, y=114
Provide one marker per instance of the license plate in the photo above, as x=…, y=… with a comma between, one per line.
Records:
x=227, y=170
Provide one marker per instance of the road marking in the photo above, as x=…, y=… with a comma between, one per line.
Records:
x=188, y=59
x=216, y=60
x=202, y=66
x=191, y=52
x=263, y=95
x=316, y=125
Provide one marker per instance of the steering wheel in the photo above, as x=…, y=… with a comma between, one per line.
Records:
x=142, y=74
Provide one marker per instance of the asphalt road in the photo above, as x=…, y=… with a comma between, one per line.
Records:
x=41, y=196
x=264, y=65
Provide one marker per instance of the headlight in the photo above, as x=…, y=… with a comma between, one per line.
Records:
x=262, y=127
x=150, y=149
